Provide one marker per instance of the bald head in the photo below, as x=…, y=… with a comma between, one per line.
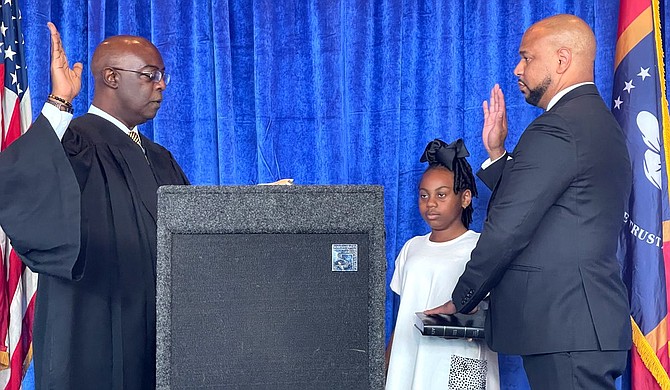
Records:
x=556, y=53
x=115, y=52
x=123, y=68
x=567, y=31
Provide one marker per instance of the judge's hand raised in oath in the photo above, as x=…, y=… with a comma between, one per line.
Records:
x=494, y=130
x=65, y=81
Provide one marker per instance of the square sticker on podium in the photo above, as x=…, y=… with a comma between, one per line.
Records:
x=345, y=257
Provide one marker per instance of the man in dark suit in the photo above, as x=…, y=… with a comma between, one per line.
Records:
x=81, y=212
x=547, y=252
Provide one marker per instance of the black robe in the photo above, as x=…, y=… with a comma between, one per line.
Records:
x=95, y=309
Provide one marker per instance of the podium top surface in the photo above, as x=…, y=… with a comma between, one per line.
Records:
x=271, y=208
x=269, y=188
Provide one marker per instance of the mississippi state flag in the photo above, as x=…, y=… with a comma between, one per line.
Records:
x=640, y=106
x=17, y=283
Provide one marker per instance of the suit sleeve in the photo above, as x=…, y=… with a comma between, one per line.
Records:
x=541, y=169
x=491, y=175
x=40, y=200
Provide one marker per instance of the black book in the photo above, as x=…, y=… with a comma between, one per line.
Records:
x=455, y=326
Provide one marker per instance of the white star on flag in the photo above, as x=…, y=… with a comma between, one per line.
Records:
x=629, y=86
x=9, y=53
x=644, y=73
x=618, y=102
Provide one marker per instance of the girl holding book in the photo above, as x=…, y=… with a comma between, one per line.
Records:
x=426, y=271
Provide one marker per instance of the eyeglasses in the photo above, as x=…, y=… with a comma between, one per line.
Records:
x=155, y=75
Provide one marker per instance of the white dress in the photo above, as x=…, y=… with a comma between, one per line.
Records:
x=425, y=275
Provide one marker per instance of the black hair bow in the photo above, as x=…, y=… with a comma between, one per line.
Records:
x=438, y=152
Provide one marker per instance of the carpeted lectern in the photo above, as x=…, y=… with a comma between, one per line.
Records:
x=270, y=287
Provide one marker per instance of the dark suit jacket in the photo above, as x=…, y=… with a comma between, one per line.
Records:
x=547, y=252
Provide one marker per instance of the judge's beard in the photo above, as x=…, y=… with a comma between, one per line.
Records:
x=535, y=94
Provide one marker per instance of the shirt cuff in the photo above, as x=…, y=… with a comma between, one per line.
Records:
x=488, y=161
x=59, y=120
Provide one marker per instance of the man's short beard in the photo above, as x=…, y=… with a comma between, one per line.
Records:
x=535, y=94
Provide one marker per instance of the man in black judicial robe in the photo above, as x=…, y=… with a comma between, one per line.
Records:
x=82, y=214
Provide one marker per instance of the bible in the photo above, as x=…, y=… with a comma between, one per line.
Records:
x=455, y=326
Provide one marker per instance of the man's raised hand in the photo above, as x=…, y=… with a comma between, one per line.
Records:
x=65, y=81
x=494, y=130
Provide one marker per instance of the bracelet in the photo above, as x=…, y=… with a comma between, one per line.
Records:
x=60, y=99
x=61, y=106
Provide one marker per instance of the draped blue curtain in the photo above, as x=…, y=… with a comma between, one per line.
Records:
x=322, y=91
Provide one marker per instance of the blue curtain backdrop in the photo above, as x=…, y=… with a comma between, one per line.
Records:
x=322, y=91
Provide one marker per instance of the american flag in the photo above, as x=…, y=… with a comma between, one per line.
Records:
x=17, y=283
x=640, y=106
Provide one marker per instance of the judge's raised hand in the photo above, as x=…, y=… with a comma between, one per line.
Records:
x=447, y=308
x=65, y=82
x=494, y=131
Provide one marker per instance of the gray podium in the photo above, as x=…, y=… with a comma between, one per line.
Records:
x=270, y=287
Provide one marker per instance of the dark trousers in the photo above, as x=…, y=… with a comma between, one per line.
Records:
x=592, y=370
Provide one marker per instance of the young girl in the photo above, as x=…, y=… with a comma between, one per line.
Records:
x=426, y=272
